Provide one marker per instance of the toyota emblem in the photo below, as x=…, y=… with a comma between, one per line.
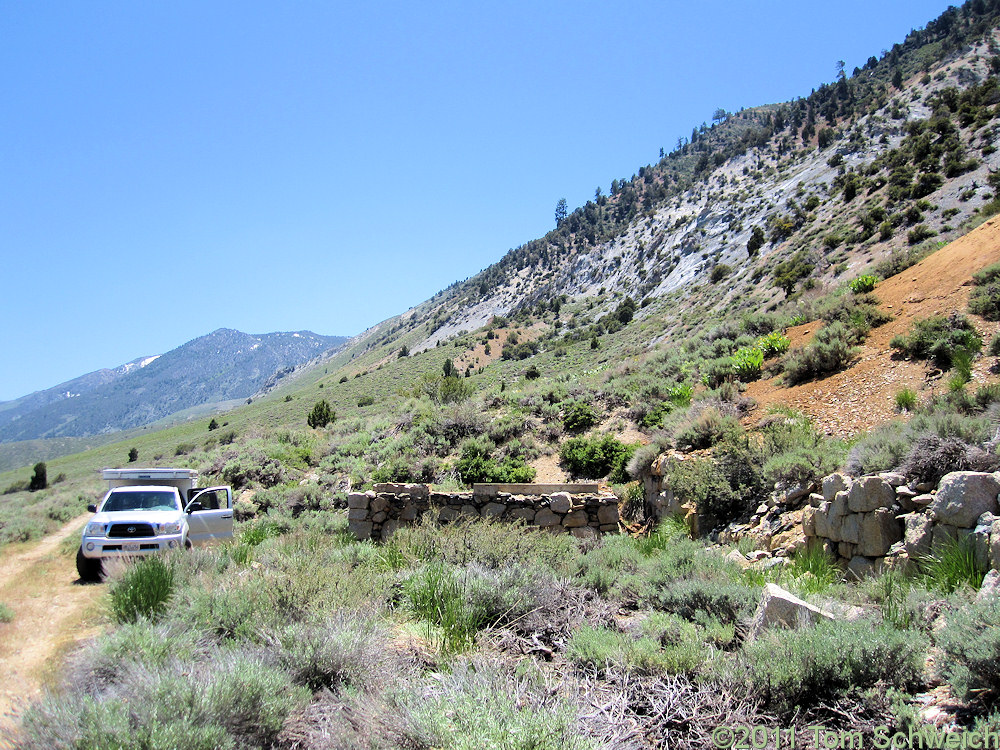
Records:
x=131, y=529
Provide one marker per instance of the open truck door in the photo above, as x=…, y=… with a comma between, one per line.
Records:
x=210, y=515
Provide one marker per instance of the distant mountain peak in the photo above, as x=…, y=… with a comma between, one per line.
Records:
x=221, y=366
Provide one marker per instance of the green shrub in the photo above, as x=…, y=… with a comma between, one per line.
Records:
x=938, y=338
x=703, y=482
x=970, y=641
x=462, y=602
x=488, y=543
x=773, y=344
x=453, y=390
x=706, y=428
x=919, y=233
x=480, y=704
x=603, y=568
x=579, y=416
x=143, y=590
x=859, y=312
x=887, y=447
x=760, y=324
x=667, y=533
x=794, y=668
x=719, y=272
x=365, y=401
x=906, y=399
x=832, y=349
x=804, y=464
x=892, y=595
x=347, y=649
x=477, y=465
x=899, y=260
x=984, y=299
x=21, y=485
x=6, y=613
x=747, y=363
x=597, y=457
x=994, y=349
x=321, y=414
x=863, y=284
x=952, y=567
x=695, y=599
x=718, y=371
x=603, y=649
x=813, y=570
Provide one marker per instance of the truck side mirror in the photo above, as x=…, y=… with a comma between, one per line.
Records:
x=195, y=506
x=92, y=508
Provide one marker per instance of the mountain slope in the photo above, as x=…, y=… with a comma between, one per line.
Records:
x=844, y=177
x=11, y=411
x=767, y=211
x=221, y=366
x=861, y=397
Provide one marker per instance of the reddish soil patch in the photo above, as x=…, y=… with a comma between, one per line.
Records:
x=477, y=357
x=862, y=396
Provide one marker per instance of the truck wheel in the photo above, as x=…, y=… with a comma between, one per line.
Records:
x=89, y=568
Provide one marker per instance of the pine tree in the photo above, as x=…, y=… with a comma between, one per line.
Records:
x=39, y=480
x=561, y=212
x=321, y=415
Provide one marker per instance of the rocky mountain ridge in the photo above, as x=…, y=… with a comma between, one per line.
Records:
x=221, y=366
x=830, y=196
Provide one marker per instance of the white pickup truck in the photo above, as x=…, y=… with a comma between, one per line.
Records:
x=150, y=510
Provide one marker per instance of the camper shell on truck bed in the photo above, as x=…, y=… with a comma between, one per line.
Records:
x=146, y=511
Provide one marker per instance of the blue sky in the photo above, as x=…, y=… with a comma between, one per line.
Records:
x=167, y=169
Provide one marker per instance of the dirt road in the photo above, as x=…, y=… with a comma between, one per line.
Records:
x=52, y=612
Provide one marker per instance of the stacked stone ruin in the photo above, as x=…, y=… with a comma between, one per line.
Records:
x=877, y=521
x=584, y=510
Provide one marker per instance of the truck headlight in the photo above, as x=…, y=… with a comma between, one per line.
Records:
x=169, y=528
x=95, y=529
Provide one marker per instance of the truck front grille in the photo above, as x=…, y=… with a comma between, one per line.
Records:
x=130, y=530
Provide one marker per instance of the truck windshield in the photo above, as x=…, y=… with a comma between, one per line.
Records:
x=141, y=501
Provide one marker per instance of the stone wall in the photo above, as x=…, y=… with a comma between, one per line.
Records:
x=882, y=520
x=579, y=509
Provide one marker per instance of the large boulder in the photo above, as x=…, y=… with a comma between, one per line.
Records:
x=361, y=530
x=850, y=529
x=833, y=484
x=870, y=493
x=860, y=568
x=561, y=502
x=963, y=496
x=839, y=504
x=809, y=521
x=980, y=539
x=546, y=518
x=821, y=521
x=990, y=588
x=995, y=545
x=917, y=535
x=879, y=531
x=781, y=609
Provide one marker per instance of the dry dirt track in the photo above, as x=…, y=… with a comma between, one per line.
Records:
x=862, y=396
x=52, y=611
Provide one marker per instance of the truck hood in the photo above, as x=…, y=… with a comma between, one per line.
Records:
x=139, y=516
